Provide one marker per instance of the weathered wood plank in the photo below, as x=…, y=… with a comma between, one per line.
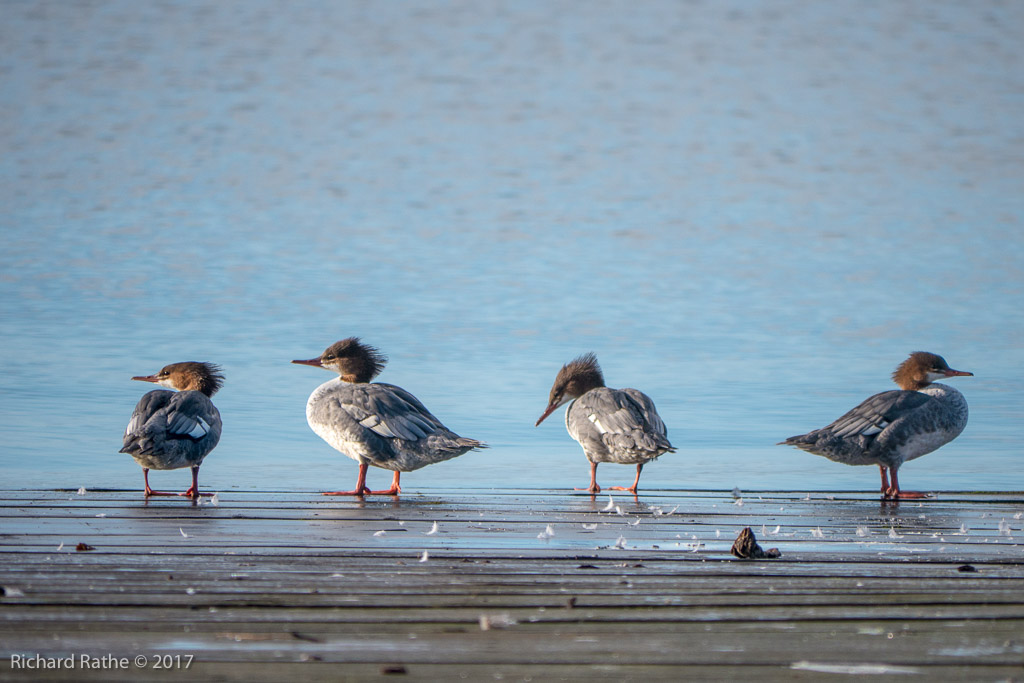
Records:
x=265, y=585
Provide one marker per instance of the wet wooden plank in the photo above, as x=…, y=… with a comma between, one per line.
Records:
x=265, y=585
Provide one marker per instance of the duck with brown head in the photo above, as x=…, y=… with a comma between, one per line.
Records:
x=612, y=425
x=892, y=427
x=173, y=429
x=375, y=423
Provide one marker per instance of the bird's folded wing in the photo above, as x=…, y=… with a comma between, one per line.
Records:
x=147, y=406
x=876, y=413
x=612, y=412
x=391, y=412
x=182, y=425
x=647, y=410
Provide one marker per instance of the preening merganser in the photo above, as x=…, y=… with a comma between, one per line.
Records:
x=612, y=425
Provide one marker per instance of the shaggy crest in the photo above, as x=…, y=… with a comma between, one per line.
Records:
x=354, y=360
x=576, y=378
x=193, y=376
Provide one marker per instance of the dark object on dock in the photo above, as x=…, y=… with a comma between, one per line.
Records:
x=746, y=547
x=84, y=546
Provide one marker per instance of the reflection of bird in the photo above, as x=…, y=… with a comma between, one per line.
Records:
x=172, y=429
x=613, y=425
x=895, y=426
x=373, y=423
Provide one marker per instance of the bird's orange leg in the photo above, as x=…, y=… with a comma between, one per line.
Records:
x=636, y=482
x=194, y=491
x=593, y=488
x=361, y=488
x=885, y=480
x=395, y=488
x=895, y=493
x=149, y=491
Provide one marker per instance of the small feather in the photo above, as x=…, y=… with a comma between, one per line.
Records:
x=492, y=621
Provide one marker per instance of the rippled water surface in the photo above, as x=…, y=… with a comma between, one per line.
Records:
x=751, y=211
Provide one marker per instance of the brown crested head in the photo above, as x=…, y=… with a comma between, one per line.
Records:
x=921, y=369
x=355, y=361
x=576, y=378
x=188, y=376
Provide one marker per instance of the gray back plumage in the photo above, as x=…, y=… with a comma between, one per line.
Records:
x=617, y=425
x=888, y=428
x=170, y=429
x=382, y=424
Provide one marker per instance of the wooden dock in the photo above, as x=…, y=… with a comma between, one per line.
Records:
x=510, y=585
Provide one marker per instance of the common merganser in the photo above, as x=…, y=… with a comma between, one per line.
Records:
x=895, y=426
x=612, y=425
x=374, y=423
x=173, y=429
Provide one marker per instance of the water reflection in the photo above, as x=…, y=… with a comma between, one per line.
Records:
x=752, y=230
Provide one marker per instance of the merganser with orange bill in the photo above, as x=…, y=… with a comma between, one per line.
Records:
x=895, y=426
x=375, y=423
x=612, y=425
x=174, y=429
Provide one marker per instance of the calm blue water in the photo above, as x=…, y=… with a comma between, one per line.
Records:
x=751, y=211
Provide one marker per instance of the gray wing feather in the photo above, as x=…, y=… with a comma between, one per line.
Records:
x=147, y=406
x=391, y=412
x=625, y=422
x=386, y=425
x=173, y=428
x=853, y=437
x=876, y=413
x=648, y=411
